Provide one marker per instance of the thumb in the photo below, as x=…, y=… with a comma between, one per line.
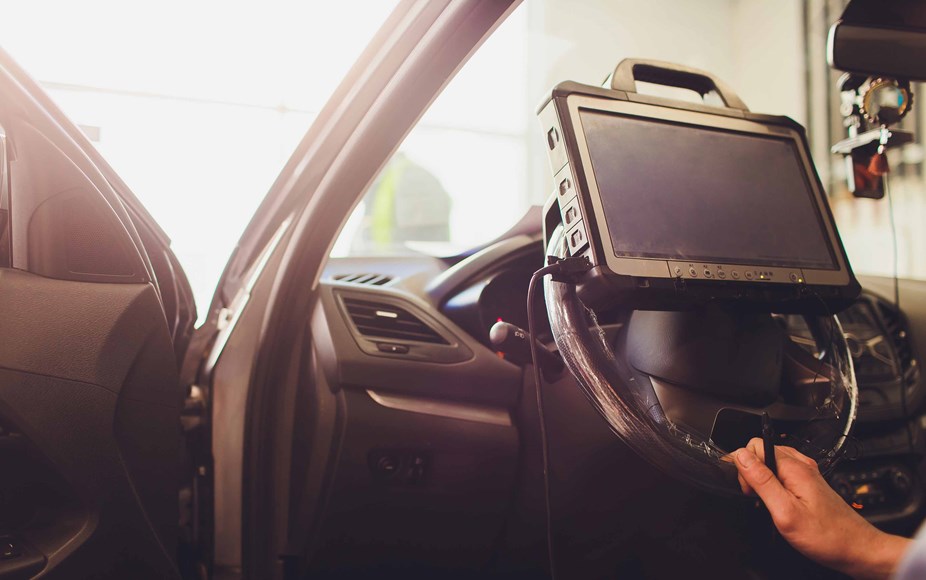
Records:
x=761, y=479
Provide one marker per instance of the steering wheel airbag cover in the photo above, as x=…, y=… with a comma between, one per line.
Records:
x=628, y=402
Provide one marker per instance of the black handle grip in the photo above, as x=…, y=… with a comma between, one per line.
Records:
x=768, y=444
x=632, y=70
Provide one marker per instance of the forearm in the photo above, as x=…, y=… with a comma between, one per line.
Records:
x=876, y=557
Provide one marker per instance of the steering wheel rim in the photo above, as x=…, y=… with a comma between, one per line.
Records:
x=631, y=405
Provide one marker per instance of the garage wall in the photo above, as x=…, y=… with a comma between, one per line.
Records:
x=768, y=53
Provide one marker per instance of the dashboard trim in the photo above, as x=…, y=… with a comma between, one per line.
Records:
x=461, y=411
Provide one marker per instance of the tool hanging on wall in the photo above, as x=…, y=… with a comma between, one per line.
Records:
x=870, y=106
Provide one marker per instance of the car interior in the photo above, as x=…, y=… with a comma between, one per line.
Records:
x=365, y=401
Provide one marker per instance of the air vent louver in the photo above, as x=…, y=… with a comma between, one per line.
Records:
x=896, y=328
x=377, y=319
x=870, y=347
x=365, y=279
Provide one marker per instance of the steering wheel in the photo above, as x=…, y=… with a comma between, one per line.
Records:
x=684, y=389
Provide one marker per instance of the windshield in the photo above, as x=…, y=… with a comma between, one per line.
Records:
x=196, y=105
x=475, y=163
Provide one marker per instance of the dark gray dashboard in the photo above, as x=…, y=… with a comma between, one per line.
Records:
x=436, y=426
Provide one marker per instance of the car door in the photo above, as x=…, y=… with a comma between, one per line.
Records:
x=94, y=315
x=268, y=354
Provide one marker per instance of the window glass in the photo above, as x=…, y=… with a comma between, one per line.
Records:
x=481, y=148
x=459, y=178
x=475, y=163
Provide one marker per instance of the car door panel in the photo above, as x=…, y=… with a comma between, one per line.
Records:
x=88, y=380
x=90, y=399
x=64, y=227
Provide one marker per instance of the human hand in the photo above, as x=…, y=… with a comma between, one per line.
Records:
x=813, y=518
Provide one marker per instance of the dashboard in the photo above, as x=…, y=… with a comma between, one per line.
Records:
x=439, y=460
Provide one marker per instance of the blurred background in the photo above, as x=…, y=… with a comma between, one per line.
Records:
x=198, y=105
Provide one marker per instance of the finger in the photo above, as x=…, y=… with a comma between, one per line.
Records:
x=730, y=458
x=777, y=499
x=801, y=480
x=794, y=453
x=757, y=446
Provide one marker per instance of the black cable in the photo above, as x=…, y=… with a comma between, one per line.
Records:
x=564, y=267
x=544, y=444
x=896, y=266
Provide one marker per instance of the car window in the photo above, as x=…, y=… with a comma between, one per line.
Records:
x=196, y=105
x=475, y=162
x=461, y=175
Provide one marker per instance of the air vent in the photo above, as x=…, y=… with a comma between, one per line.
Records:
x=378, y=319
x=873, y=349
x=364, y=279
x=870, y=346
x=897, y=330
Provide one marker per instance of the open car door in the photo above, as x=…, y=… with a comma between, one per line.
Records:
x=95, y=314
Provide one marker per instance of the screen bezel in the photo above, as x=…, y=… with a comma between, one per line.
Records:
x=663, y=267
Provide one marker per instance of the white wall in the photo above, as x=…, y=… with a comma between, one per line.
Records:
x=593, y=35
x=768, y=56
x=756, y=46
